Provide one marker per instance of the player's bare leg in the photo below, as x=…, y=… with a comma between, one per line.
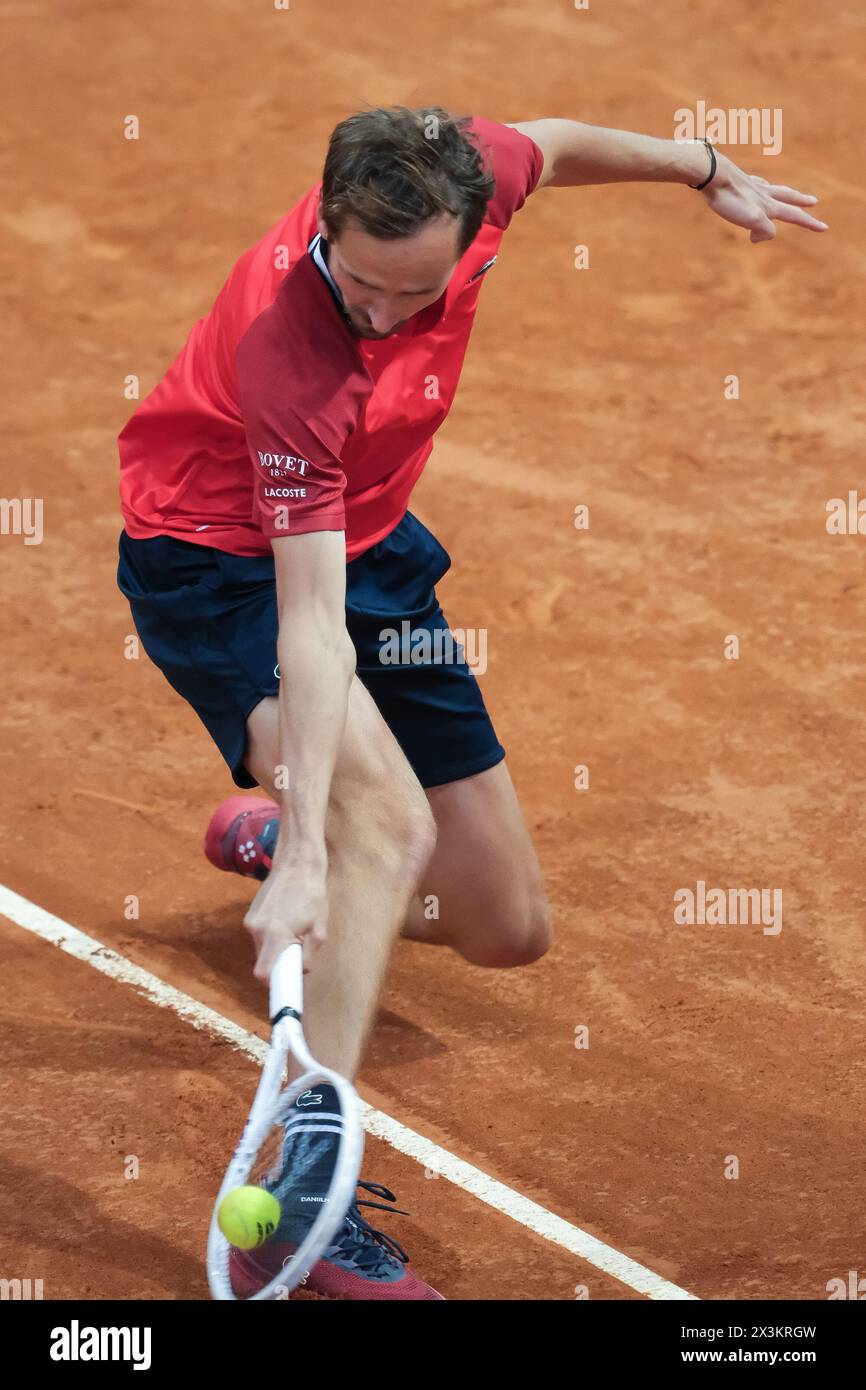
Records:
x=380, y=834
x=482, y=892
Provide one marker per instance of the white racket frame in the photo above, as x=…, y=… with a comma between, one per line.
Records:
x=271, y=1106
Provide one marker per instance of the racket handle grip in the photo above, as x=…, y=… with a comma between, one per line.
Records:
x=287, y=981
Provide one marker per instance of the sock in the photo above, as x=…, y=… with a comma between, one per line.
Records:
x=309, y=1155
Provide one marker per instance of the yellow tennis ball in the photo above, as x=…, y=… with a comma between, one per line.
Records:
x=248, y=1217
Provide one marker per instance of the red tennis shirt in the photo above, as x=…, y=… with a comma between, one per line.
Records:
x=277, y=419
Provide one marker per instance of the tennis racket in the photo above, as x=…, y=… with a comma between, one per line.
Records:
x=303, y=1142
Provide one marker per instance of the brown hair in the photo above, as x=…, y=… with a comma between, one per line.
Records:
x=393, y=168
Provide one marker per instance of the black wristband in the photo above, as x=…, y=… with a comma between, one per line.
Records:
x=699, y=187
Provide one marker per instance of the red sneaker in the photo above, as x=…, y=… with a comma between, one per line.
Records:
x=362, y=1264
x=242, y=836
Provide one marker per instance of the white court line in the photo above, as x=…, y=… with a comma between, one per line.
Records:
x=464, y=1175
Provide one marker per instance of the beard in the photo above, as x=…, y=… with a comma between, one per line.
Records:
x=366, y=330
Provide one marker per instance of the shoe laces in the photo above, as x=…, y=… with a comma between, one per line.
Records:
x=361, y=1242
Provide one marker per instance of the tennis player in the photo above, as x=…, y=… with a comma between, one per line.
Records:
x=268, y=548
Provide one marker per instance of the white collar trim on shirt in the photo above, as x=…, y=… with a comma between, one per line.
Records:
x=315, y=250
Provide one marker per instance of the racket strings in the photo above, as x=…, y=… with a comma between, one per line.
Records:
x=298, y=1160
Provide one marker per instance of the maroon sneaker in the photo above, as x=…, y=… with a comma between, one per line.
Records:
x=361, y=1264
x=242, y=836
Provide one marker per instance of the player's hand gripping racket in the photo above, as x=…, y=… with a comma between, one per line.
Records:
x=303, y=1145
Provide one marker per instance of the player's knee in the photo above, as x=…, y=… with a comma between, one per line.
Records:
x=414, y=828
x=405, y=834
x=379, y=800
x=528, y=939
x=518, y=934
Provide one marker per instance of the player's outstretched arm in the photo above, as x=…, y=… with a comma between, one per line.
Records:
x=577, y=154
x=317, y=663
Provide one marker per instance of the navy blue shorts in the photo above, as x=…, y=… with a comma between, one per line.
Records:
x=208, y=620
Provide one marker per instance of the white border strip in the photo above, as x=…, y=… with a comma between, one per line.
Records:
x=464, y=1175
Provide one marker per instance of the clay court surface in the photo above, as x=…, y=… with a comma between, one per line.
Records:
x=603, y=387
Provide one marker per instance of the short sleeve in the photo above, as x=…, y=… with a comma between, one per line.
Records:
x=298, y=484
x=293, y=437
x=516, y=163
